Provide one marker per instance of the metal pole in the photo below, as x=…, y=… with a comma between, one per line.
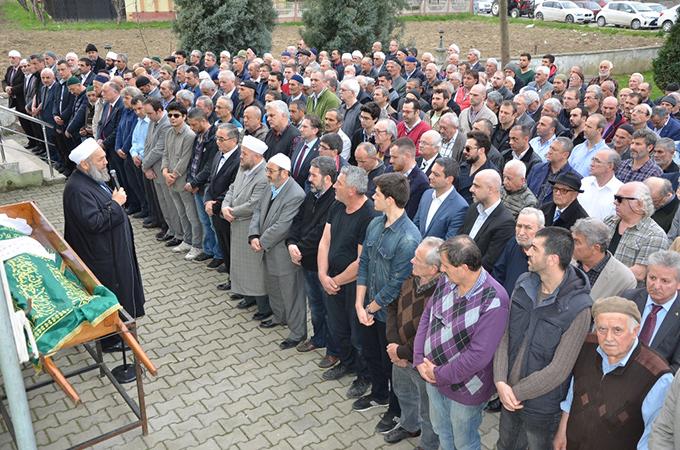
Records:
x=47, y=151
x=14, y=382
x=2, y=149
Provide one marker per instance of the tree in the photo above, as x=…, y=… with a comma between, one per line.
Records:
x=667, y=63
x=218, y=25
x=350, y=24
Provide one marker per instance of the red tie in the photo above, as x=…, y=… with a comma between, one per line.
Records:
x=298, y=163
x=648, y=328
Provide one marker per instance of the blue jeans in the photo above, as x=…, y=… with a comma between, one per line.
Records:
x=456, y=424
x=210, y=245
x=317, y=308
x=415, y=409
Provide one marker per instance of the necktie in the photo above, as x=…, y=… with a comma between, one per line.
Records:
x=11, y=77
x=423, y=166
x=298, y=163
x=557, y=215
x=223, y=159
x=107, y=113
x=649, y=326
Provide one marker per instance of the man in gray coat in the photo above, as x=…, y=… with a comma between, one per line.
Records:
x=246, y=272
x=284, y=281
x=154, y=146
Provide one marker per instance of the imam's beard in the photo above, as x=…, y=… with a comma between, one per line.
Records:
x=100, y=176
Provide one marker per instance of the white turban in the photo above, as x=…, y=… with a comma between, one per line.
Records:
x=281, y=160
x=83, y=151
x=254, y=144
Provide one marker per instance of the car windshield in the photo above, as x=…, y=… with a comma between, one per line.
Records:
x=641, y=7
x=568, y=5
x=656, y=7
x=591, y=5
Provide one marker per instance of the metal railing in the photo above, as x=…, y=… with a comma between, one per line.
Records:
x=43, y=125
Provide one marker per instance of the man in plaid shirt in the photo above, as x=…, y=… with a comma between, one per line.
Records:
x=458, y=334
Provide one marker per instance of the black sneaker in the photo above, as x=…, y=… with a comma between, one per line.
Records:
x=358, y=388
x=202, y=257
x=388, y=422
x=399, y=434
x=215, y=263
x=335, y=373
x=368, y=402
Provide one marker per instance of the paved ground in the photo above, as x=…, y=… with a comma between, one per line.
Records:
x=222, y=381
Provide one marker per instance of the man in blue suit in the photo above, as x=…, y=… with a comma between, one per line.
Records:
x=442, y=210
x=663, y=124
x=403, y=160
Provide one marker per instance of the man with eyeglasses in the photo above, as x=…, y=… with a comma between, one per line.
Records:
x=634, y=235
x=564, y=209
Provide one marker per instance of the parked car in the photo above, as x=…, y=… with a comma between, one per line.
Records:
x=563, y=11
x=657, y=7
x=668, y=18
x=483, y=6
x=594, y=7
x=635, y=15
x=516, y=8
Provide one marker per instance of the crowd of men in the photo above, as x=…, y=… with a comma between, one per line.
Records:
x=459, y=233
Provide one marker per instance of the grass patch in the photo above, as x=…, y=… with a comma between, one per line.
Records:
x=649, y=78
x=15, y=16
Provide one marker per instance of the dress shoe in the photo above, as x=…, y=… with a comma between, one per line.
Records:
x=245, y=303
x=140, y=215
x=202, y=257
x=224, y=286
x=222, y=269
x=235, y=296
x=288, y=343
x=174, y=242
x=261, y=316
x=328, y=361
x=305, y=346
x=269, y=324
x=215, y=263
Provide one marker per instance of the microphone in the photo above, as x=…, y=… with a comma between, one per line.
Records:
x=115, y=178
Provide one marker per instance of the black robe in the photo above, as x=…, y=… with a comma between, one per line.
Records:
x=101, y=234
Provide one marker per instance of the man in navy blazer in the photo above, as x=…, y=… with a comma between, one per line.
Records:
x=663, y=124
x=403, y=160
x=108, y=124
x=45, y=102
x=310, y=129
x=442, y=210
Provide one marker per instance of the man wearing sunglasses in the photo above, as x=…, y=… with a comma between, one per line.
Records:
x=634, y=235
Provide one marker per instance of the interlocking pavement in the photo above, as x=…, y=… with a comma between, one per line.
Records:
x=222, y=381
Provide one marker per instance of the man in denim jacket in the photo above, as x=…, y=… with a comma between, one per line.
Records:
x=385, y=262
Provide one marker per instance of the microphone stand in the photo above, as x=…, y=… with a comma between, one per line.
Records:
x=125, y=373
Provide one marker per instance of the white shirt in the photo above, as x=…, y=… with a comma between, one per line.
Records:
x=521, y=155
x=428, y=162
x=434, y=206
x=541, y=148
x=224, y=158
x=346, y=144
x=598, y=201
x=481, y=218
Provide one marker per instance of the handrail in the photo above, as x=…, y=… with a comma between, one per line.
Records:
x=25, y=116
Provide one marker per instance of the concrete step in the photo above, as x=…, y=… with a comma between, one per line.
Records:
x=22, y=168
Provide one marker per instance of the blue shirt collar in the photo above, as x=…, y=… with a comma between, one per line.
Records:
x=606, y=367
x=666, y=306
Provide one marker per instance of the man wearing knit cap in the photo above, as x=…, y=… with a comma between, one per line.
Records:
x=295, y=85
x=269, y=226
x=618, y=384
x=97, y=62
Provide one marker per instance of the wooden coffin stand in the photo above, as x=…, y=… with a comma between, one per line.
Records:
x=89, y=336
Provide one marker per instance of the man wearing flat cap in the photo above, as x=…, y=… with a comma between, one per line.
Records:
x=247, y=91
x=98, y=229
x=618, y=384
x=269, y=227
x=564, y=209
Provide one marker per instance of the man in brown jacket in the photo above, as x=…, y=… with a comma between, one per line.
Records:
x=403, y=317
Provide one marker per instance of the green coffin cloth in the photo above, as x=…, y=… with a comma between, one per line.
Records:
x=59, y=304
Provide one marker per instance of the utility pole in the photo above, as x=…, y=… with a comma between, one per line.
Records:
x=505, y=34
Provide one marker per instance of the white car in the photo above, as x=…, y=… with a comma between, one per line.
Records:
x=635, y=15
x=483, y=6
x=668, y=18
x=563, y=11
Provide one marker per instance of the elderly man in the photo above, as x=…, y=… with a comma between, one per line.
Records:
x=453, y=141
x=515, y=194
x=321, y=99
x=488, y=222
x=564, y=209
x=98, y=229
x=252, y=123
x=633, y=233
x=598, y=189
x=367, y=158
x=282, y=136
x=269, y=227
x=403, y=317
x=403, y=160
x=664, y=151
x=607, y=275
x=333, y=122
x=244, y=194
x=617, y=410
x=459, y=372
x=442, y=210
x=665, y=125
x=665, y=201
x=557, y=163
x=477, y=110
x=641, y=166
x=613, y=116
x=549, y=319
x=513, y=261
x=541, y=84
x=430, y=144
x=303, y=244
x=658, y=306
